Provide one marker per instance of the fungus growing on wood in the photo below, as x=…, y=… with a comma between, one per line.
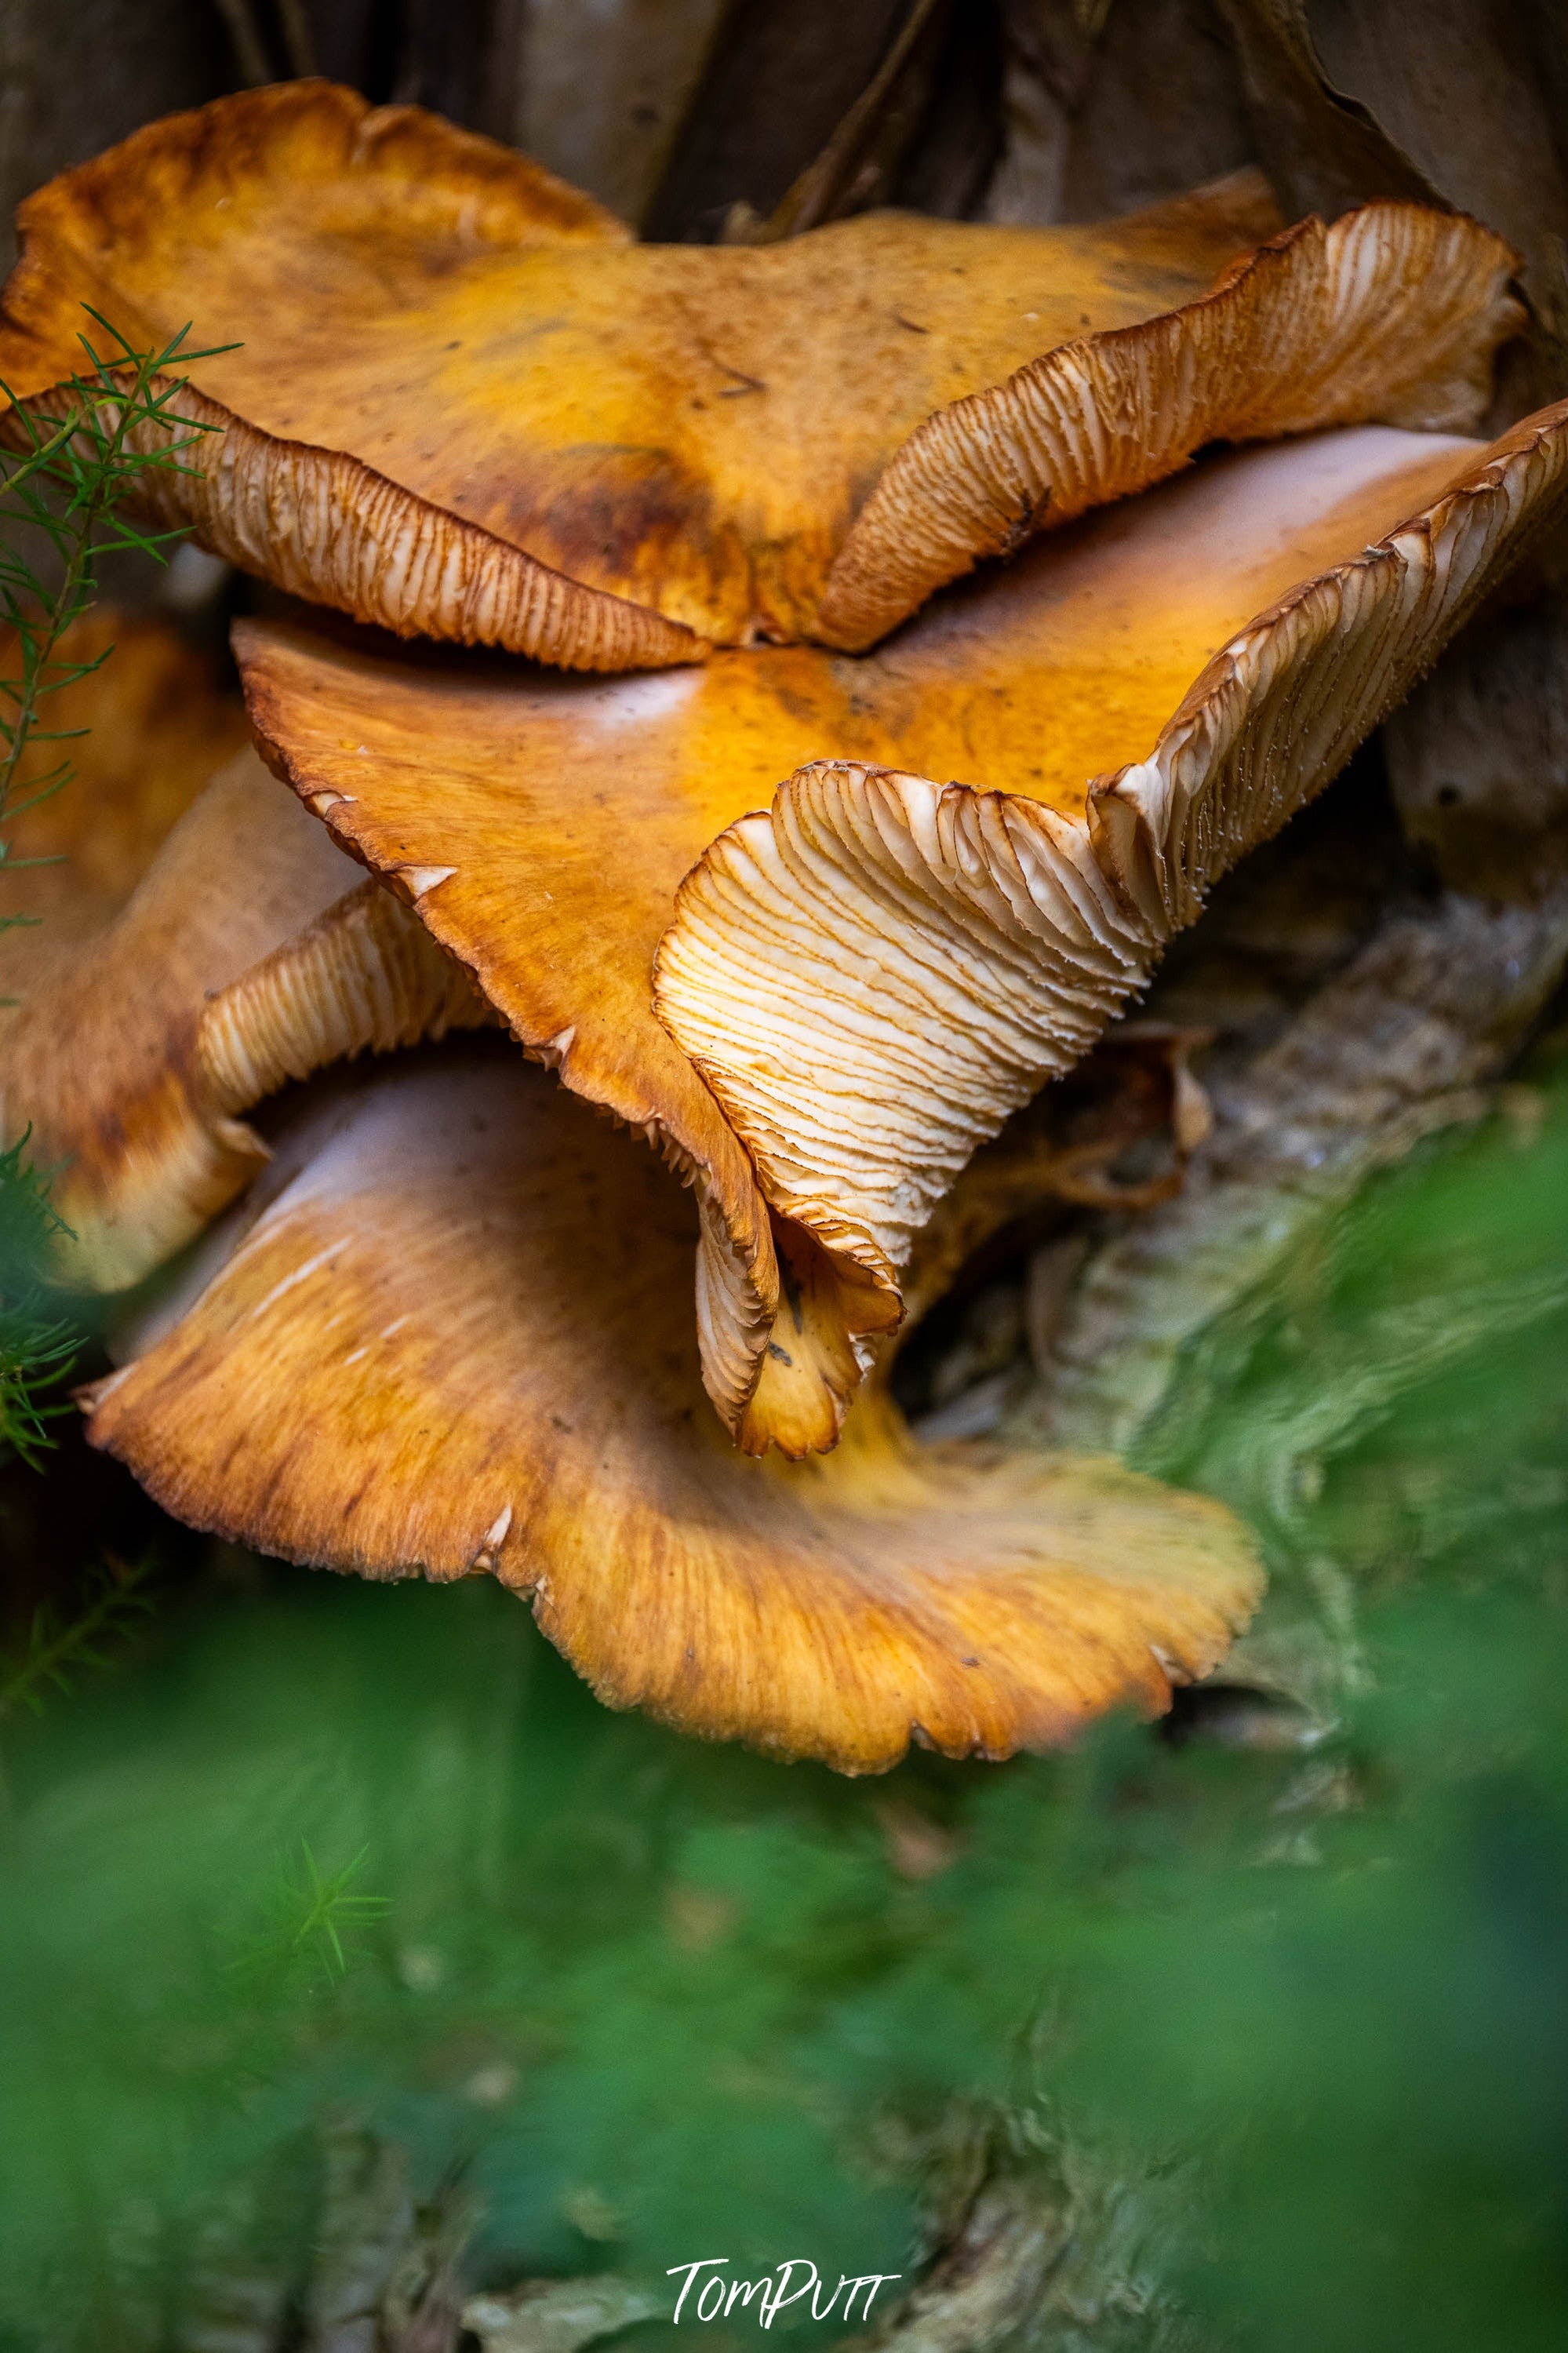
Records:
x=462, y=402
x=202, y=942
x=857, y=985
x=455, y=1337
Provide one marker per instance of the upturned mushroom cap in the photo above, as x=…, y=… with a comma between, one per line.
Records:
x=868, y=977
x=198, y=944
x=457, y=1338
x=875, y=971
x=463, y=403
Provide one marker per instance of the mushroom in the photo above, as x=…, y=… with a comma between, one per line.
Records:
x=148, y=722
x=460, y=401
x=447, y=1331
x=454, y=1337
x=201, y=942
x=859, y=983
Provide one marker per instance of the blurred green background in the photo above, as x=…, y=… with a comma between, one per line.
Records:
x=1269, y=2006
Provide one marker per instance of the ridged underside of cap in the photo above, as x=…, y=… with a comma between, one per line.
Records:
x=240, y=961
x=1279, y=710
x=1393, y=313
x=875, y=971
x=366, y=978
x=459, y=402
x=328, y=528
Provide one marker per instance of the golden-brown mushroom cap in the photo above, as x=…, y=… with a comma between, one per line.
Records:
x=868, y=977
x=197, y=943
x=463, y=403
x=458, y=1337
x=873, y=973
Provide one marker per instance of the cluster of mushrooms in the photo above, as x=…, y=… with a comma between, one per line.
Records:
x=782, y=697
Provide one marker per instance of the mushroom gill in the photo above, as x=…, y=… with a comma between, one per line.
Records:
x=461, y=402
x=858, y=984
x=455, y=1338
x=200, y=943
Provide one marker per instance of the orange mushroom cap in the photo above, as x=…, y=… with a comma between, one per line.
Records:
x=857, y=985
x=198, y=944
x=872, y=974
x=463, y=403
x=454, y=1338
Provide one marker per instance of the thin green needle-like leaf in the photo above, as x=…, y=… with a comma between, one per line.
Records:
x=55, y=1648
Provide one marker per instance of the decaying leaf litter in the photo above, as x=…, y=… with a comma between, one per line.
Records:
x=1295, y=1101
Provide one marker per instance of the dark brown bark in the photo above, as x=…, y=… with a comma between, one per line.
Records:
x=1461, y=102
x=1111, y=109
